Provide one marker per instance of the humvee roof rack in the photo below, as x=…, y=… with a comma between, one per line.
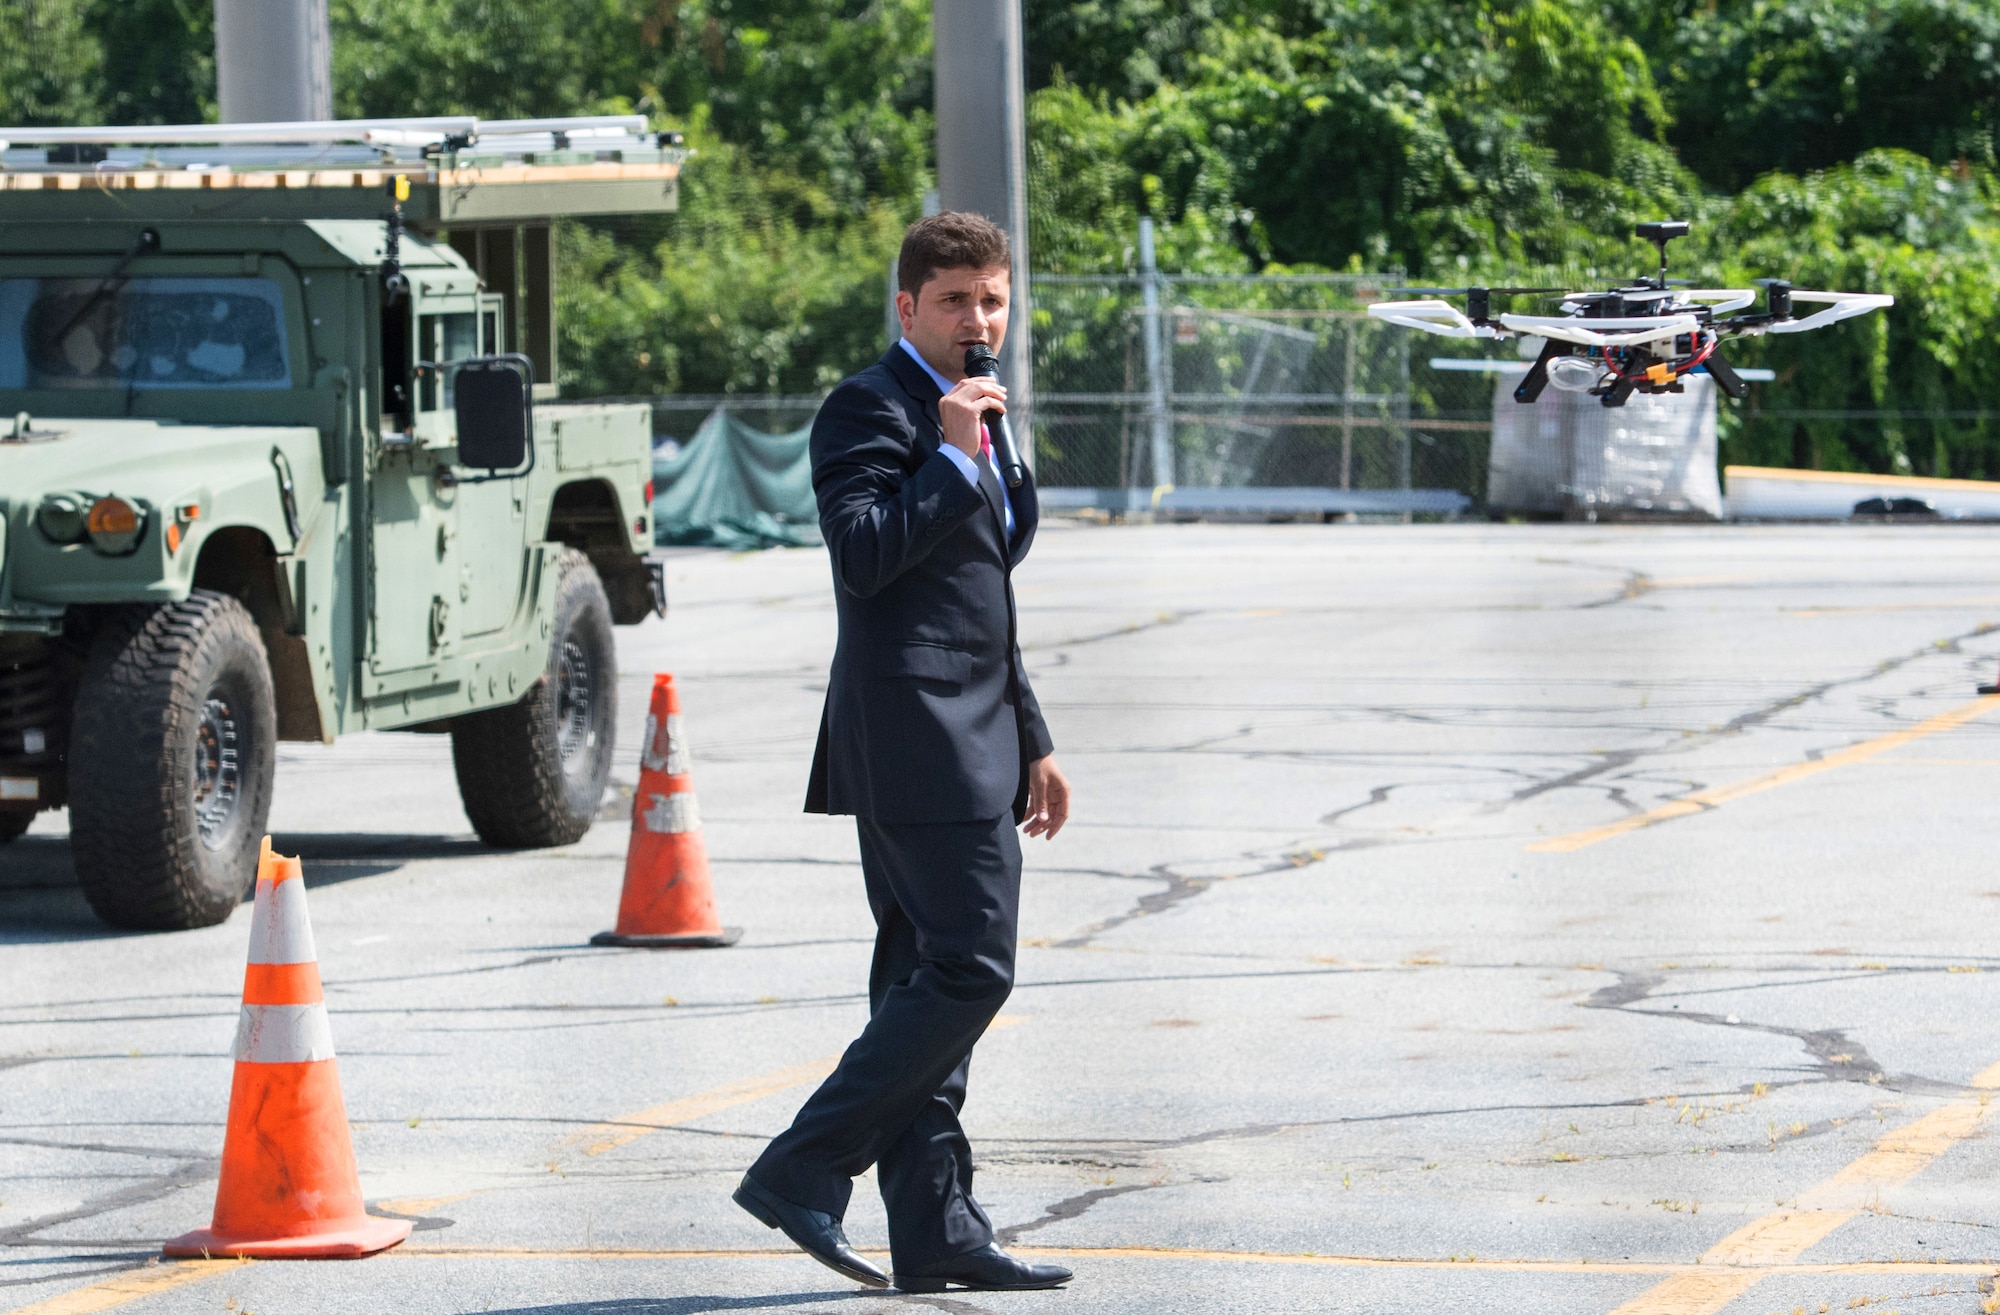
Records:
x=461, y=170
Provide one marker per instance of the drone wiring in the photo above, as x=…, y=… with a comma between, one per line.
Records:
x=1678, y=368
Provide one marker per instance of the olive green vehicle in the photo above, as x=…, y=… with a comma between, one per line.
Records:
x=280, y=460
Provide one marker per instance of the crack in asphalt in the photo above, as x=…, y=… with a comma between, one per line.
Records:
x=1180, y=888
x=188, y=1173
x=1837, y=1056
x=1736, y=725
x=78, y=1273
x=1637, y=585
x=101, y=1148
x=1134, y=628
x=1376, y=795
x=1074, y=1206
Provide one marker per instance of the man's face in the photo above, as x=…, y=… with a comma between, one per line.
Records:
x=953, y=310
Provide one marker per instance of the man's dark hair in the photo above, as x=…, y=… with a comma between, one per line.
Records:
x=953, y=239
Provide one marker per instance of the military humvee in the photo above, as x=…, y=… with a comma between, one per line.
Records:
x=280, y=458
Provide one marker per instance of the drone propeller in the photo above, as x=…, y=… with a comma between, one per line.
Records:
x=1462, y=292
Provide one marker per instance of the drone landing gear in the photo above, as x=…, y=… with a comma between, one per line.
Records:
x=1725, y=376
x=1537, y=378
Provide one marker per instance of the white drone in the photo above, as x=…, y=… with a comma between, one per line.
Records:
x=1641, y=338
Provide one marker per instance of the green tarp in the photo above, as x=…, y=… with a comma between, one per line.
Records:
x=732, y=486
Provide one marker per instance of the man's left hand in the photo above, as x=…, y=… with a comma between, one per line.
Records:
x=1048, y=798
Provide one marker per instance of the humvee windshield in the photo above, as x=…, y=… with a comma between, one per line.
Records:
x=143, y=333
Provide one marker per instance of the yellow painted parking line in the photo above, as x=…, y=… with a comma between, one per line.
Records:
x=609, y=1136
x=422, y=1205
x=655, y=1118
x=110, y=1293
x=1778, y=1239
x=417, y=1251
x=1930, y=605
x=1704, y=800
x=1936, y=762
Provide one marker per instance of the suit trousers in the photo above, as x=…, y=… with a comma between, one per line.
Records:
x=946, y=898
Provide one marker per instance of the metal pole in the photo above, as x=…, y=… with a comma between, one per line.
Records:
x=1347, y=409
x=892, y=322
x=273, y=61
x=982, y=160
x=1156, y=363
x=1403, y=410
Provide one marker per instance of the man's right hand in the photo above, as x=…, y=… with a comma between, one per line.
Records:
x=964, y=407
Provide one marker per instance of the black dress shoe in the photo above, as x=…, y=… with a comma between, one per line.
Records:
x=817, y=1234
x=989, y=1269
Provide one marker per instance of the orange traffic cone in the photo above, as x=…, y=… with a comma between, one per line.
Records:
x=669, y=901
x=289, y=1186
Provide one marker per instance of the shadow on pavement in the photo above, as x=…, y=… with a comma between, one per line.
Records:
x=687, y=1305
x=40, y=901
x=331, y=857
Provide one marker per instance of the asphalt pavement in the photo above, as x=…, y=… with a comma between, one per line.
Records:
x=1505, y=918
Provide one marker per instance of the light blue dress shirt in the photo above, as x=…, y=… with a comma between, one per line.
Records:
x=965, y=464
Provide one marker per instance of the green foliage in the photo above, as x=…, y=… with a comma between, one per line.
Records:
x=755, y=286
x=49, y=65
x=1890, y=222
x=1845, y=143
x=1807, y=84
x=1519, y=141
x=1428, y=136
x=158, y=60
x=496, y=58
x=811, y=131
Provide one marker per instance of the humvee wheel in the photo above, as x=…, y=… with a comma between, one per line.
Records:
x=532, y=774
x=14, y=823
x=171, y=758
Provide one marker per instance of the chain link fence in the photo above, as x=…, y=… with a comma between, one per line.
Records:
x=1212, y=382
x=1271, y=384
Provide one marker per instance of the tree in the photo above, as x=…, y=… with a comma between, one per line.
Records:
x=49, y=64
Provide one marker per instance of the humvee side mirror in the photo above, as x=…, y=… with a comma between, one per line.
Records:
x=493, y=397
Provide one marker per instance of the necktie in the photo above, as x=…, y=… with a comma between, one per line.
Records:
x=985, y=444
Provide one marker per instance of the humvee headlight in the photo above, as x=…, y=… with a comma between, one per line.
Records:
x=61, y=517
x=115, y=525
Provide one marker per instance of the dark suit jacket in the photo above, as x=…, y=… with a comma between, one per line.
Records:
x=929, y=717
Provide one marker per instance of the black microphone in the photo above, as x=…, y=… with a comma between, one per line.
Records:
x=981, y=363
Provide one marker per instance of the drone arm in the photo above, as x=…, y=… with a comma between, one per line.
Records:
x=1634, y=330
x=1843, y=305
x=1432, y=316
x=1721, y=300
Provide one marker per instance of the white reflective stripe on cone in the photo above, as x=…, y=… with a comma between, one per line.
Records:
x=673, y=813
x=674, y=762
x=279, y=929
x=677, y=747
x=283, y=1034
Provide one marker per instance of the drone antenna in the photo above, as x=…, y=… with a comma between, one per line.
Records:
x=1659, y=233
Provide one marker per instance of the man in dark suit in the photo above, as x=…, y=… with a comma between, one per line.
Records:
x=933, y=740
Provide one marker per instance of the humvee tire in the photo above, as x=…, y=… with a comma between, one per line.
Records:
x=532, y=774
x=14, y=824
x=172, y=753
